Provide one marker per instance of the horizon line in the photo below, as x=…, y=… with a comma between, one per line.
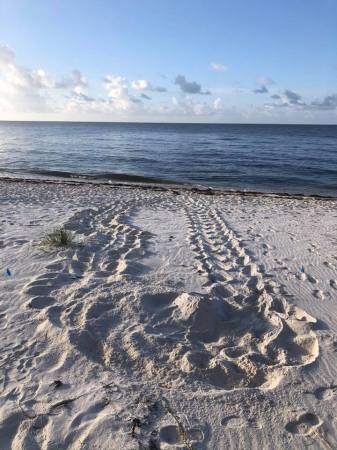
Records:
x=166, y=123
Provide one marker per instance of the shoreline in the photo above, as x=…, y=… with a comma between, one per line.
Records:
x=162, y=186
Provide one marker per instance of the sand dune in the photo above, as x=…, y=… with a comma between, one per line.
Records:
x=174, y=320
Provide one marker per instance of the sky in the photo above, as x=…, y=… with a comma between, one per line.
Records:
x=221, y=61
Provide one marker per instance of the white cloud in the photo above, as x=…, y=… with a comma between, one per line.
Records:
x=21, y=89
x=219, y=67
x=76, y=81
x=218, y=104
x=145, y=85
x=6, y=55
x=32, y=90
x=116, y=86
x=140, y=85
x=117, y=90
x=85, y=104
x=189, y=106
x=20, y=76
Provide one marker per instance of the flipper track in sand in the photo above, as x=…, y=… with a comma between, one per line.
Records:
x=239, y=333
x=65, y=296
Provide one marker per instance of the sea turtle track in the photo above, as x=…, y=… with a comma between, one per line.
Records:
x=240, y=332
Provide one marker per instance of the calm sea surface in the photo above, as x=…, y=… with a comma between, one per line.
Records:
x=271, y=158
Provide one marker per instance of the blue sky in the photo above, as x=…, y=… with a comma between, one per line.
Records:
x=179, y=61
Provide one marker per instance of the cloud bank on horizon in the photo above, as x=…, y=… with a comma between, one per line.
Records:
x=207, y=77
x=25, y=91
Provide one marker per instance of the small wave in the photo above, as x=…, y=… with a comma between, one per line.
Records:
x=228, y=139
x=122, y=177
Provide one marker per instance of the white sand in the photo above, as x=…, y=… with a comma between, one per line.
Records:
x=185, y=317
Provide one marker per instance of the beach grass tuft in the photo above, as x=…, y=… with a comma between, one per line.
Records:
x=58, y=237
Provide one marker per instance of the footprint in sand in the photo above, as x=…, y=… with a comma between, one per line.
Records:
x=325, y=393
x=235, y=422
x=333, y=284
x=312, y=279
x=266, y=248
x=45, y=283
x=306, y=276
x=319, y=294
x=172, y=435
x=305, y=424
x=40, y=302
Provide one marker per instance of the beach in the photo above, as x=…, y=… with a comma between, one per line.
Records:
x=176, y=318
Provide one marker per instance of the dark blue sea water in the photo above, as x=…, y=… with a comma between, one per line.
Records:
x=270, y=158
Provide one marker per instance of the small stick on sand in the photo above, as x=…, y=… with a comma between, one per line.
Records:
x=181, y=428
x=64, y=402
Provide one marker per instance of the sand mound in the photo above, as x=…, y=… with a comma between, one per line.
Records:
x=207, y=338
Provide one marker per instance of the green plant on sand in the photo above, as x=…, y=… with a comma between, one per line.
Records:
x=58, y=237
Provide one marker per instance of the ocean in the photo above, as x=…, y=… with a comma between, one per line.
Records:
x=299, y=159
